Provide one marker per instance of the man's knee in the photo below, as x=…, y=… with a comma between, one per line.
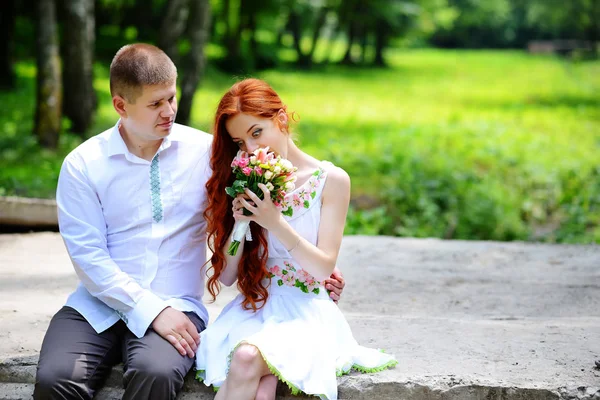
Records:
x=59, y=382
x=156, y=371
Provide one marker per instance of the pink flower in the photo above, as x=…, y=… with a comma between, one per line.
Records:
x=258, y=170
x=304, y=195
x=289, y=279
x=276, y=270
x=297, y=201
x=262, y=154
x=242, y=162
x=247, y=171
x=234, y=163
x=301, y=278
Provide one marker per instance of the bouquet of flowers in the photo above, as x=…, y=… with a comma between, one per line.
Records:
x=262, y=166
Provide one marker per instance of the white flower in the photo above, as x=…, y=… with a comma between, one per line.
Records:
x=269, y=185
x=253, y=160
x=289, y=186
x=277, y=169
x=286, y=165
x=268, y=176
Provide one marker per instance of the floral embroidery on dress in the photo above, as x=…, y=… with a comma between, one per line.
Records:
x=289, y=276
x=297, y=201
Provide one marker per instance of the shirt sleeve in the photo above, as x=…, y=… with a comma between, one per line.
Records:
x=83, y=228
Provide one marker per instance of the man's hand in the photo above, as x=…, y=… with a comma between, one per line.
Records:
x=335, y=284
x=175, y=327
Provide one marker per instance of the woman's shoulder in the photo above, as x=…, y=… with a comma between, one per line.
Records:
x=338, y=180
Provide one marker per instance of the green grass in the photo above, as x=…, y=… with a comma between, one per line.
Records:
x=455, y=144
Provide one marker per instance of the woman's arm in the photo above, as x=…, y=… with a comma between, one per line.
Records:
x=229, y=273
x=318, y=260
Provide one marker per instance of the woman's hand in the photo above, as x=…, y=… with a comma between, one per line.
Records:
x=264, y=212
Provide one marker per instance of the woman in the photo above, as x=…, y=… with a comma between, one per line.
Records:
x=282, y=325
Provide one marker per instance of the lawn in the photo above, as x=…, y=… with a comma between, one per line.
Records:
x=495, y=145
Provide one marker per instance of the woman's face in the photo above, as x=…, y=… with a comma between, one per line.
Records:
x=250, y=133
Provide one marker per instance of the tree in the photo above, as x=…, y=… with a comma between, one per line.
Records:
x=172, y=27
x=48, y=99
x=79, y=37
x=575, y=19
x=300, y=16
x=199, y=29
x=7, y=24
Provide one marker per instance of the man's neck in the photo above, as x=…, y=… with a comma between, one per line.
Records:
x=144, y=149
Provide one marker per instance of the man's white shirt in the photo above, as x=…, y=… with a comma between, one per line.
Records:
x=130, y=266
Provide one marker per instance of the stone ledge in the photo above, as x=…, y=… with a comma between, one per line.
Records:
x=17, y=378
x=28, y=212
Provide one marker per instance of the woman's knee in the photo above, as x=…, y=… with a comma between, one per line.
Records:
x=246, y=362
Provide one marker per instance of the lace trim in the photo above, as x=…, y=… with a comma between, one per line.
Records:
x=293, y=388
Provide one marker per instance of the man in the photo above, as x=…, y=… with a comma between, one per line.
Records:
x=130, y=203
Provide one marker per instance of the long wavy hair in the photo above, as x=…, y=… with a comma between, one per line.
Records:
x=257, y=98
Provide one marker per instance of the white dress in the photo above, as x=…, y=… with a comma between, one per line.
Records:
x=300, y=331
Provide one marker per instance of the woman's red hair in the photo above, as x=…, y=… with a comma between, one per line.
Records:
x=257, y=98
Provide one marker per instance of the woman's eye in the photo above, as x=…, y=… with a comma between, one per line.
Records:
x=256, y=133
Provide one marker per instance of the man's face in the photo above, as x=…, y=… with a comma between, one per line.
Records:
x=152, y=115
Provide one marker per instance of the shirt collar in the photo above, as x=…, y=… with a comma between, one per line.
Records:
x=116, y=144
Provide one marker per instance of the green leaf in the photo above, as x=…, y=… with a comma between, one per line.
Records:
x=288, y=212
x=306, y=204
x=280, y=282
x=230, y=191
x=316, y=291
x=313, y=194
x=304, y=289
x=284, y=272
x=239, y=185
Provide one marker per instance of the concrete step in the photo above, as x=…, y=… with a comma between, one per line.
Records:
x=17, y=377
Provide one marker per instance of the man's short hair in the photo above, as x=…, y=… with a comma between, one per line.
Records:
x=137, y=65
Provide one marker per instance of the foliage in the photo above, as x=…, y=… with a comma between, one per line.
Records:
x=466, y=145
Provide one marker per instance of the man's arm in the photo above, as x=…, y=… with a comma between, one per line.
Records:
x=335, y=284
x=83, y=229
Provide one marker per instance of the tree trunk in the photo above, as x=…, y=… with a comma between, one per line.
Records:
x=296, y=28
x=351, y=36
x=252, y=28
x=364, y=43
x=225, y=16
x=48, y=101
x=199, y=28
x=173, y=26
x=321, y=19
x=234, y=39
x=381, y=32
x=7, y=24
x=78, y=74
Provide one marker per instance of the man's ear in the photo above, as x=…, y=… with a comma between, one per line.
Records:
x=119, y=104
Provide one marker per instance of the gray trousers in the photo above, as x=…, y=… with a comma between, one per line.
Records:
x=75, y=360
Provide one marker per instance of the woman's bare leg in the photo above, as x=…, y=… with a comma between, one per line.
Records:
x=267, y=388
x=245, y=372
